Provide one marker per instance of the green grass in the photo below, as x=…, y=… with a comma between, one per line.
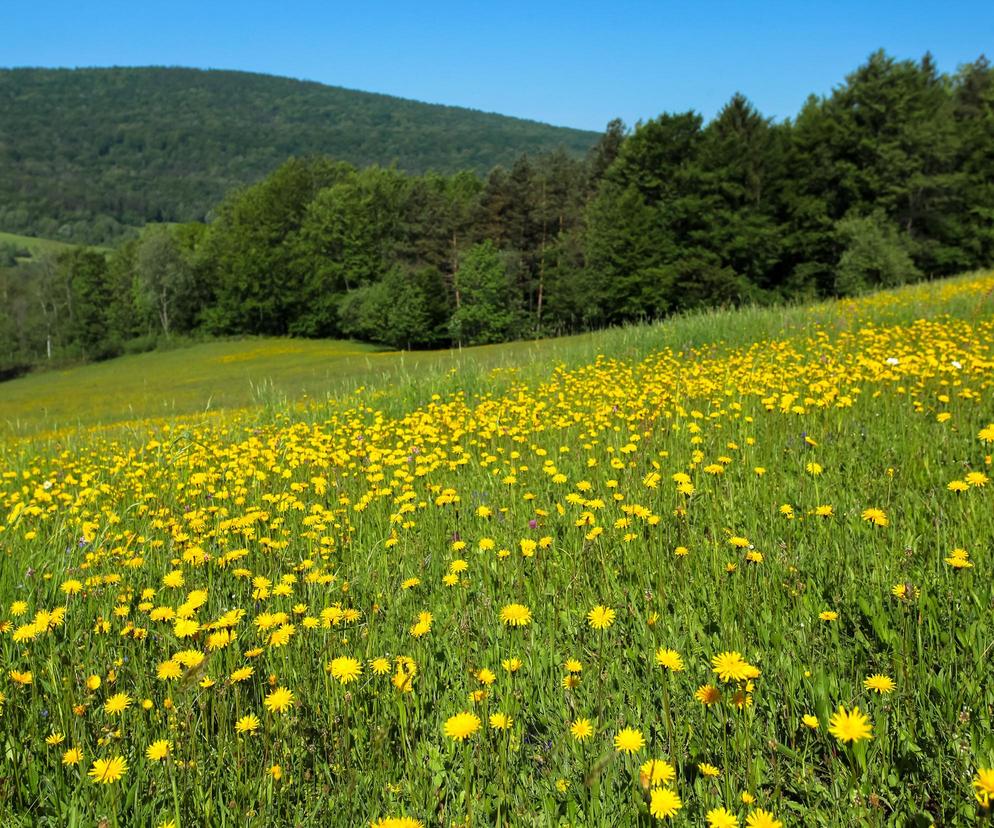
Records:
x=36, y=246
x=242, y=373
x=638, y=469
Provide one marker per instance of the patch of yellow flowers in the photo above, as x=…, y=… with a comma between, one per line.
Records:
x=349, y=596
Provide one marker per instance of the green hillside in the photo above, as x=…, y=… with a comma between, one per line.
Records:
x=25, y=248
x=733, y=569
x=135, y=145
x=282, y=372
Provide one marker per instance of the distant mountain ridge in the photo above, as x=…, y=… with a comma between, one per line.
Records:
x=87, y=153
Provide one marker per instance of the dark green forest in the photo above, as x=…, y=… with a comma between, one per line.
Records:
x=86, y=155
x=887, y=179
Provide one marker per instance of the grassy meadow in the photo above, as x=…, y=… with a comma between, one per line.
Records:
x=729, y=570
x=34, y=245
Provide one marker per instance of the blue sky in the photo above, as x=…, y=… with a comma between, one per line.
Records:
x=576, y=64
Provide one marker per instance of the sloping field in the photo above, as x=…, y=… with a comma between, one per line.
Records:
x=35, y=246
x=730, y=570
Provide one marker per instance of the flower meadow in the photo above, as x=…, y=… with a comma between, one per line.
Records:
x=733, y=584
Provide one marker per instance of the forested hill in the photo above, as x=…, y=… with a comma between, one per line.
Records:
x=85, y=153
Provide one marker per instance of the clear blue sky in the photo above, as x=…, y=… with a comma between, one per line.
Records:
x=576, y=64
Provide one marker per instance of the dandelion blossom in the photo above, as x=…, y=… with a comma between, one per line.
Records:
x=186, y=627
x=158, y=750
x=882, y=684
x=73, y=756
x=279, y=701
x=516, y=615
x=730, y=666
x=664, y=803
x=107, y=771
x=461, y=726
x=875, y=516
x=669, y=660
x=601, y=617
x=345, y=669
x=247, y=724
x=582, y=729
x=959, y=559
x=721, y=818
x=628, y=740
x=656, y=772
x=850, y=726
x=241, y=674
x=169, y=670
x=117, y=703
x=762, y=819
x=983, y=786
x=500, y=721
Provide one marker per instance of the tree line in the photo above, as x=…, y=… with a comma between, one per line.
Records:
x=888, y=179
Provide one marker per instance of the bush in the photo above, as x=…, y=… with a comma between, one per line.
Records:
x=13, y=370
x=875, y=255
x=141, y=344
x=106, y=349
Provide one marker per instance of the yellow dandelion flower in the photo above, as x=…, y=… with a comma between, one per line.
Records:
x=875, y=516
x=601, y=617
x=117, y=703
x=169, y=670
x=500, y=721
x=628, y=740
x=983, y=785
x=721, y=818
x=669, y=660
x=345, y=669
x=247, y=724
x=762, y=819
x=73, y=756
x=582, y=729
x=730, y=666
x=850, y=726
x=656, y=772
x=461, y=726
x=664, y=803
x=106, y=771
x=158, y=750
x=515, y=615
x=881, y=683
x=279, y=701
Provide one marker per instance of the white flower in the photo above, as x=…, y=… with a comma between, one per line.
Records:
x=956, y=364
x=892, y=360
